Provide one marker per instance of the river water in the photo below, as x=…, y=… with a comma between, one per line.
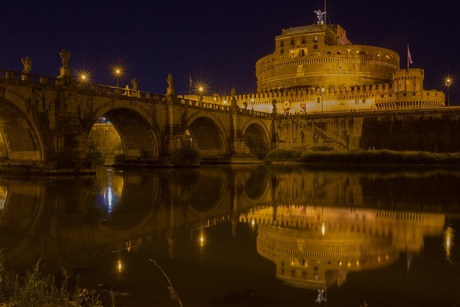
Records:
x=247, y=235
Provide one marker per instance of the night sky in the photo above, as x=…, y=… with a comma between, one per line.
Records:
x=217, y=42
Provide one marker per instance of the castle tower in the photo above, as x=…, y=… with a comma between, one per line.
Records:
x=408, y=80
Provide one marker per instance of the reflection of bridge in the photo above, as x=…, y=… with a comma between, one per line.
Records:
x=60, y=218
x=124, y=208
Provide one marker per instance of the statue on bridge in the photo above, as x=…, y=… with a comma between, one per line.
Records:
x=170, y=89
x=232, y=97
x=64, y=54
x=65, y=69
x=134, y=84
x=27, y=62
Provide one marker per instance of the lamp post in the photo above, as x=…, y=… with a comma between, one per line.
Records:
x=117, y=74
x=448, y=83
x=252, y=102
x=200, y=93
x=321, y=98
x=83, y=79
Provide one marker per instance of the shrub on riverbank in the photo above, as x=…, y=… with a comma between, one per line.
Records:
x=37, y=289
x=364, y=157
x=185, y=155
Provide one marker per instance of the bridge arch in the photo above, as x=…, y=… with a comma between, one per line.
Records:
x=139, y=137
x=18, y=134
x=256, y=136
x=208, y=135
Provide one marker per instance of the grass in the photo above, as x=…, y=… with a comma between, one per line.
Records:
x=36, y=289
x=364, y=157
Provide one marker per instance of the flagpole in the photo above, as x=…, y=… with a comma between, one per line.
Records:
x=409, y=57
x=407, y=54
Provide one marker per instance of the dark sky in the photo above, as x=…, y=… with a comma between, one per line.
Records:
x=217, y=42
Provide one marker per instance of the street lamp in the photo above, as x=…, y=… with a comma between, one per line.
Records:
x=448, y=82
x=252, y=102
x=117, y=72
x=83, y=78
x=200, y=93
x=321, y=98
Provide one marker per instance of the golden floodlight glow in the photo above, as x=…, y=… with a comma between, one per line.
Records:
x=448, y=241
x=448, y=81
x=119, y=266
x=201, y=239
x=323, y=228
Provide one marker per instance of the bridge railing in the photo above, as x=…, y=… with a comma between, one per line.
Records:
x=94, y=87
x=107, y=89
x=16, y=75
x=127, y=92
x=222, y=107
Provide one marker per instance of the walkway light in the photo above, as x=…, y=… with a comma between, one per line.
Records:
x=448, y=82
x=200, y=93
x=118, y=72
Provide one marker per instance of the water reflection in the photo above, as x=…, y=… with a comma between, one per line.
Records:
x=316, y=247
x=314, y=227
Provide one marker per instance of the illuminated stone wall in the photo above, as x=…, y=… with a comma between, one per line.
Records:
x=424, y=131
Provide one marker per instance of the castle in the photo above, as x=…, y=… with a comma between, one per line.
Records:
x=316, y=69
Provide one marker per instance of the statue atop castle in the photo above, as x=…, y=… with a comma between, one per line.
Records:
x=321, y=17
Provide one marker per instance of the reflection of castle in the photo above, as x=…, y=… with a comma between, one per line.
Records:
x=316, y=247
x=3, y=192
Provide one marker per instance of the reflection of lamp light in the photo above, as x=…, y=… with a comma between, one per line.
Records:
x=201, y=239
x=119, y=266
x=448, y=241
x=323, y=228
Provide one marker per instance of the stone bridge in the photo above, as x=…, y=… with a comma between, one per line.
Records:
x=45, y=119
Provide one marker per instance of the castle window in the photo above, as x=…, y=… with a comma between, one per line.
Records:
x=282, y=51
x=303, y=40
x=315, y=38
x=315, y=46
x=282, y=44
x=292, y=42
